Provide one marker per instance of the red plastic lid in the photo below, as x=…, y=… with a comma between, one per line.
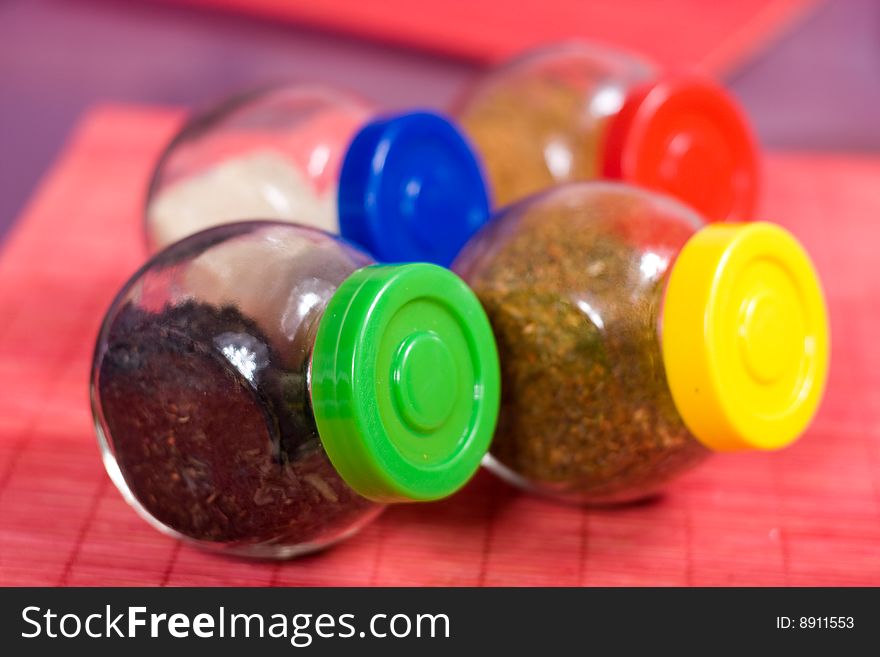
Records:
x=687, y=137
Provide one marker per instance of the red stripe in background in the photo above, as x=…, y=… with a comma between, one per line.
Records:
x=807, y=515
x=676, y=33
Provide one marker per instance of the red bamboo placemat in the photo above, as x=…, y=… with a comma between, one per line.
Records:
x=713, y=35
x=807, y=515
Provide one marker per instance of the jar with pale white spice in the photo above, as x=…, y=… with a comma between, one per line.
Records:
x=400, y=186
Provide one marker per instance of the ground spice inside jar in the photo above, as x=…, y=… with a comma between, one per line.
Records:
x=573, y=292
x=263, y=184
x=529, y=137
x=216, y=440
x=270, y=156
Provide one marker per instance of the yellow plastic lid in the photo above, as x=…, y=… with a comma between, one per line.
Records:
x=745, y=337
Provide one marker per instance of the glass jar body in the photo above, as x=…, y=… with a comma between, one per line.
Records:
x=573, y=282
x=274, y=154
x=201, y=391
x=541, y=119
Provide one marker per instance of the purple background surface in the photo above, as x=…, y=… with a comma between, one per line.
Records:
x=816, y=87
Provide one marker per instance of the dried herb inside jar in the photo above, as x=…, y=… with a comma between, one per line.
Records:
x=534, y=132
x=216, y=440
x=573, y=293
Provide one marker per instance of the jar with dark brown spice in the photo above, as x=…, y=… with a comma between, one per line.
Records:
x=261, y=389
x=580, y=111
x=635, y=339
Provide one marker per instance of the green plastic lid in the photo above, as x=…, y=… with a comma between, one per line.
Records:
x=405, y=382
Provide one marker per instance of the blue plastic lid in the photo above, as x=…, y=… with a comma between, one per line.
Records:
x=411, y=189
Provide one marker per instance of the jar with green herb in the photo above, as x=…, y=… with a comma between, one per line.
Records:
x=635, y=339
x=262, y=389
x=579, y=111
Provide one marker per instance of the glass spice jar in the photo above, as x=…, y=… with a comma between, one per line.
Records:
x=635, y=340
x=400, y=186
x=577, y=111
x=261, y=389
